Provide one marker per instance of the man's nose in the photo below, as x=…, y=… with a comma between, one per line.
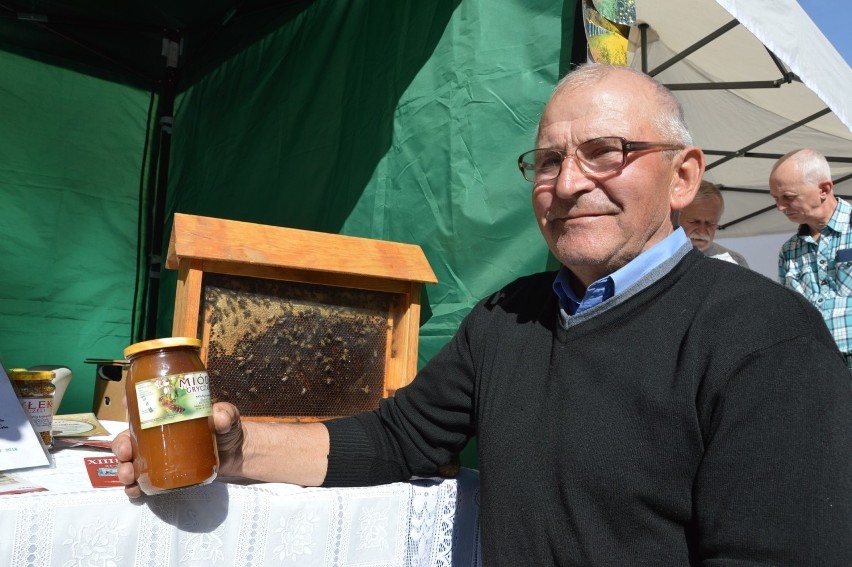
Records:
x=571, y=179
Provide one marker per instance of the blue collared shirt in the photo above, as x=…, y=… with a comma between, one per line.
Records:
x=620, y=280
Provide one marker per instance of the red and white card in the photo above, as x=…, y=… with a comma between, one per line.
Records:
x=103, y=471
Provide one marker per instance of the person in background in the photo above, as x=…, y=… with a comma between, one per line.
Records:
x=700, y=219
x=817, y=260
x=642, y=405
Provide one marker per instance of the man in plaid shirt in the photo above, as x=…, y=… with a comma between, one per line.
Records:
x=817, y=260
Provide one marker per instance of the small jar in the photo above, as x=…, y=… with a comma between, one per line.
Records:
x=170, y=414
x=35, y=388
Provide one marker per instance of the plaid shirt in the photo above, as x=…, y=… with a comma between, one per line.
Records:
x=822, y=271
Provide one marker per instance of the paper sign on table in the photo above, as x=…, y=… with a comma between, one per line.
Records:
x=77, y=425
x=20, y=445
x=11, y=484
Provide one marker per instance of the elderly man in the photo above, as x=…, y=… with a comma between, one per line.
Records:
x=817, y=260
x=643, y=406
x=700, y=219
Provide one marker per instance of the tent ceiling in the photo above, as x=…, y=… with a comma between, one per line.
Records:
x=123, y=41
x=741, y=129
x=748, y=74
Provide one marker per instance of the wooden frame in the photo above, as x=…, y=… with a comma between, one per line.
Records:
x=200, y=245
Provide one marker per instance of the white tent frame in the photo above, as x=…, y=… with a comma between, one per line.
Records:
x=757, y=78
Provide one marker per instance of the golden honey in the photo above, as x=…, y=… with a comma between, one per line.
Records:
x=169, y=414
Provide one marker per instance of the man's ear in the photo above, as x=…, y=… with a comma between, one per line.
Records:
x=689, y=169
x=825, y=187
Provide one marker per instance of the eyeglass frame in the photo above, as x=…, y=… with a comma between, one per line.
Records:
x=627, y=146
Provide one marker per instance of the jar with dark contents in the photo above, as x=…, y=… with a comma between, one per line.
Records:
x=36, y=389
x=170, y=415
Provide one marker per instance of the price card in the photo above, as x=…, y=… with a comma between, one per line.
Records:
x=103, y=471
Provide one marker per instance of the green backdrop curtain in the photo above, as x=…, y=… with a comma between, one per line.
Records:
x=383, y=119
x=72, y=149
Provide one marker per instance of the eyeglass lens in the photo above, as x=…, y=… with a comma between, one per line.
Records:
x=599, y=155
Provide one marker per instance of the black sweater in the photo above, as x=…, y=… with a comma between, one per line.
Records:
x=704, y=419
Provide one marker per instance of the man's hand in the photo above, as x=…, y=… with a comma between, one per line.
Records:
x=295, y=453
x=122, y=447
x=229, y=440
x=230, y=437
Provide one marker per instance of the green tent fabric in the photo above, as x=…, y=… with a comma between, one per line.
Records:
x=71, y=153
x=409, y=134
x=392, y=120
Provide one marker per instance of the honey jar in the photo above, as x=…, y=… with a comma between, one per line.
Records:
x=35, y=388
x=170, y=415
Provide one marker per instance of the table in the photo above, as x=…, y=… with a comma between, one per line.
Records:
x=423, y=522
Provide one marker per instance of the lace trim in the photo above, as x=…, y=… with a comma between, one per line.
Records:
x=420, y=523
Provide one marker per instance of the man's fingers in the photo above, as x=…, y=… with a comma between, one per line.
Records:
x=225, y=417
x=229, y=438
x=127, y=476
x=121, y=447
x=133, y=491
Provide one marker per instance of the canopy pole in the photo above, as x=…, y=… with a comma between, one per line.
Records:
x=171, y=51
x=727, y=86
x=746, y=217
x=694, y=47
x=772, y=136
x=830, y=159
x=574, y=47
x=643, y=46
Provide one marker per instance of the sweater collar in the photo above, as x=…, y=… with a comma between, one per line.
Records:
x=615, y=283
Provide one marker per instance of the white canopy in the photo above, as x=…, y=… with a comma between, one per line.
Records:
x=757, y=79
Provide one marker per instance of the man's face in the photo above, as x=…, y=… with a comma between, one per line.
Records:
x=596, y=225
x=798, y=200
x=700, y=219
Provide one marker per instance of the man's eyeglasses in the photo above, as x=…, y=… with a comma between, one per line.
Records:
x=597, y=156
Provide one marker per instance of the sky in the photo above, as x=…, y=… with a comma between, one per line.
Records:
x=830, y=16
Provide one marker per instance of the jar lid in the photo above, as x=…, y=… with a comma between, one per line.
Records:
x=17, y=374
x=155, y=344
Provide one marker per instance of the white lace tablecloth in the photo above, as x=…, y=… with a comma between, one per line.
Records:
x=418, y=523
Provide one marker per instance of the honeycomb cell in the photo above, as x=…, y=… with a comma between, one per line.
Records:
x=291, y=349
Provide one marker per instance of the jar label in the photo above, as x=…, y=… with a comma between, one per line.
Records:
x=173, y=398
x=41, y=412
